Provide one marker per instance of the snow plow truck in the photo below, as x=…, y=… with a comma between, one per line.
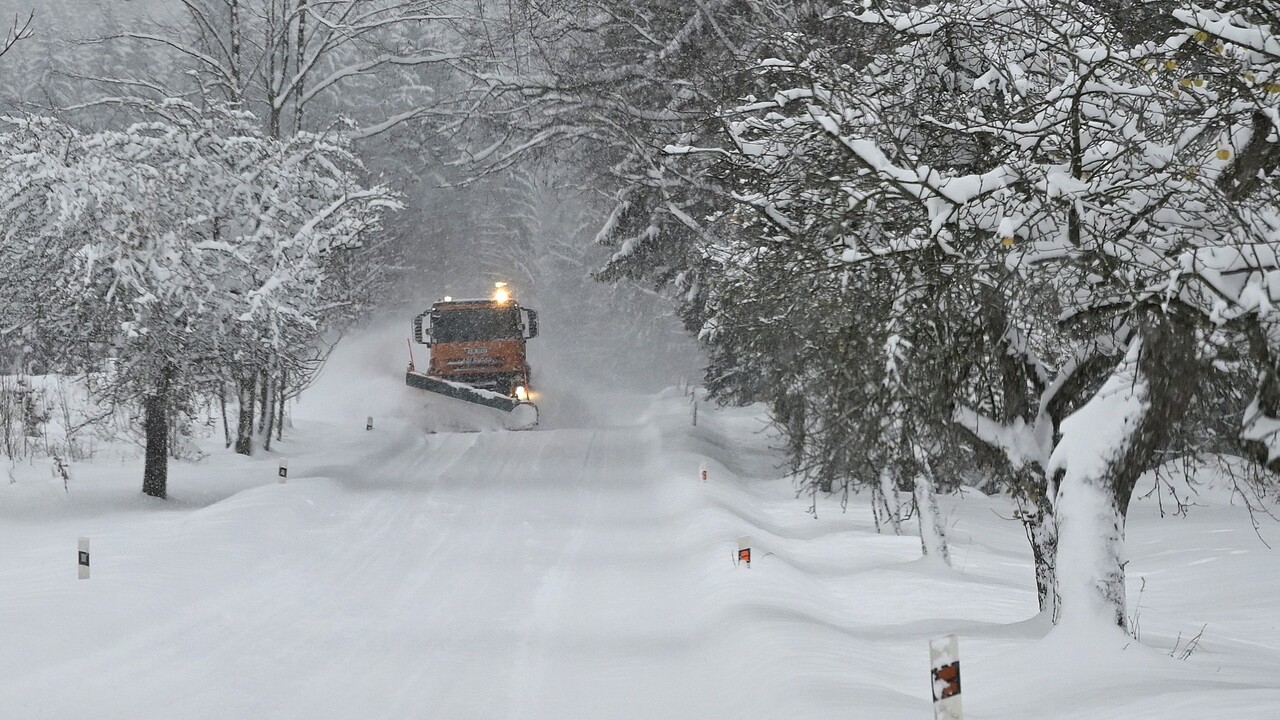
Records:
x=478, y=354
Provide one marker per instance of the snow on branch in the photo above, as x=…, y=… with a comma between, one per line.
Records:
x=1023, y=444
x=1233, y=27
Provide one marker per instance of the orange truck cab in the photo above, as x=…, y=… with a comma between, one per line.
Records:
x=480, y=343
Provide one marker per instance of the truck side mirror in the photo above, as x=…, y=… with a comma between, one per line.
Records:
x=422, y=329
x=530, y=323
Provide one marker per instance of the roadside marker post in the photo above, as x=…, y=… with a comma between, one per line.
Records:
x=744, y=551
x=944, y=661
x=83, y=560
x=284, y=470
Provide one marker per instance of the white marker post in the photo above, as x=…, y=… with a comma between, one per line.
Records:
x=744, y=551
x=284, y=470
x=84, y=558
x=702, y=471
x=944, y=659
x=368, y=424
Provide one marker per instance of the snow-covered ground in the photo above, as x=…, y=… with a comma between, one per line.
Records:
x=581, y=570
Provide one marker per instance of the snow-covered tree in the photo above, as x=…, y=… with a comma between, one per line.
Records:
x=295, y=64
x=1056, y=196
x=179, y=246
x=1239, y=53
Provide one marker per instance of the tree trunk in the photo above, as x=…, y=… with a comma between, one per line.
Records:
x=933, y=536
x=1021, y=391
x=268, y=411
x=244, y=423
x=1260, y=427
x=1042, y=533
x=233, y=11
x=155, y=470
x=175, y=432
x=892, y=501
x=299, y=102
x=222, y=403
x=281, y=395
x=1031, y=490
x=276, y=74
x=264, y=400
x=1106, y=446
x=877, y=501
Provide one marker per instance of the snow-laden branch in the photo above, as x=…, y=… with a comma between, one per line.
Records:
x=1023, y=444
x=1233, y=27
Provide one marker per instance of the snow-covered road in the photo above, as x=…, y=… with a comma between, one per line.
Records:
x=484, y=575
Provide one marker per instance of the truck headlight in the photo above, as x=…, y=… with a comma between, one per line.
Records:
x=521, y=393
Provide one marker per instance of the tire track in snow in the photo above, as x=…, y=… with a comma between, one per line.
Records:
x=529, y=677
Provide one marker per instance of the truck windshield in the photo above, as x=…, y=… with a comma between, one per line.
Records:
x=481, y=324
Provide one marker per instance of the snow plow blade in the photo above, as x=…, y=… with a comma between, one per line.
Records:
x=519, y=415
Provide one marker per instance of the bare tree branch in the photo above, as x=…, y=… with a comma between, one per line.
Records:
x=20, y=31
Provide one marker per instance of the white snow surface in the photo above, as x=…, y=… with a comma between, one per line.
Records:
x=581, y=570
